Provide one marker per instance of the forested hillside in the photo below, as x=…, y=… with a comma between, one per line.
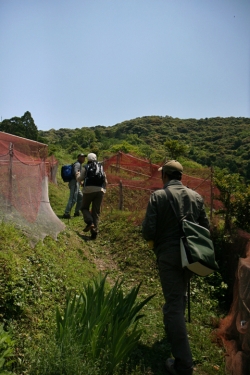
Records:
x=222, y=142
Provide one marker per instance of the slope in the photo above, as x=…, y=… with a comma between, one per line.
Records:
x=34, y=283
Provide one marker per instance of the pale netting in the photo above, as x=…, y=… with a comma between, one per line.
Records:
x=24, y=173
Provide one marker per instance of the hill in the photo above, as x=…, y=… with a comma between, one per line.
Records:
x=221, y=142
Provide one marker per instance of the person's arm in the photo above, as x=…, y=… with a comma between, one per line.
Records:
x=106, y=181
x=77, y=168
x=149, y=222
x=80, y=176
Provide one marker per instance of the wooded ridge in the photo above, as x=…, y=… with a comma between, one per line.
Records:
x=222, y=142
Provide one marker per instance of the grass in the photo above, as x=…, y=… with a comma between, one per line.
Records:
x=35, y=282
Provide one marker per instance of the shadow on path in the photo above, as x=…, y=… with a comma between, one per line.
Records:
x=151, y=360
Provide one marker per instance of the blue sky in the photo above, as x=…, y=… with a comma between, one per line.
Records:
x=100, y=62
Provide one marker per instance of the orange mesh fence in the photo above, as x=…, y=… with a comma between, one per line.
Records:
x=28, y=151
x=24, y=173
x=136, y=173
x=51, y=168
x=23, y=166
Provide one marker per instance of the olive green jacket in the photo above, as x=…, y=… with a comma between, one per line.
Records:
x=161, y=225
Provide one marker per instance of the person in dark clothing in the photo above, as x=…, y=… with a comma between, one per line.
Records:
x=93, y=194
x=161, y=227
x=75, y=194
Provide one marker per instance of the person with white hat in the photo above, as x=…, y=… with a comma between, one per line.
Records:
x=161, y=227
x=94, y=188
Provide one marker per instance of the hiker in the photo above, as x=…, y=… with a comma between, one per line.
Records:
x=161, y=228
x=94, y=188
x=75, y=194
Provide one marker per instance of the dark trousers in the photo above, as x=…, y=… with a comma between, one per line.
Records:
x=174, y=281
x=94, y=199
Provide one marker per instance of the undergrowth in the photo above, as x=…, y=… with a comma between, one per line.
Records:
x=34, y=282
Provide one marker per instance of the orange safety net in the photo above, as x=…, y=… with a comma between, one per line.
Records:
x=24, y=173
x=136, y=173
x=23, y=166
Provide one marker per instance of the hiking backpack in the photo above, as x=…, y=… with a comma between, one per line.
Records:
x=67, y=172
x=94, y=174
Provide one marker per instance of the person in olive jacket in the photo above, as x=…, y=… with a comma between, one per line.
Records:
x=162, y=229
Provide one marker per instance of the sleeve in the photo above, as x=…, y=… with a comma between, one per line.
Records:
x=149, y=222
x=77, y=168
x=81, y=176
x=106, y=181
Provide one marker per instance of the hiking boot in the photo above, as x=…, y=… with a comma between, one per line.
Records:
x=88, y=227
x=170, y=366
x=170, y=362
x=93, y=236
x=66, y=216
x=76, y=214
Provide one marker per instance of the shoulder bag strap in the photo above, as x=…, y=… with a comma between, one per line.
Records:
x=171, y=200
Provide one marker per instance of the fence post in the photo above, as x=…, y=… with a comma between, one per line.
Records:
x=120, y=196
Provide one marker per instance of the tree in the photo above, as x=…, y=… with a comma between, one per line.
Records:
x=13, y=126
x=73, y=147
x=31, y=131
x=175, y=148
x=125, y=147
x=22, y=127
x=229, y=185
x=241, y=206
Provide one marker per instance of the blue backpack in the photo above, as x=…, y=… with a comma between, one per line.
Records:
x=67, y=172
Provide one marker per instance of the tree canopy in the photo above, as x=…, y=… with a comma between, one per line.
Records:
x=219, y=142
x=21, y=126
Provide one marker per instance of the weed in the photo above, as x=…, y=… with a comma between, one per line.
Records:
x=104, y=325
x=6, y=351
